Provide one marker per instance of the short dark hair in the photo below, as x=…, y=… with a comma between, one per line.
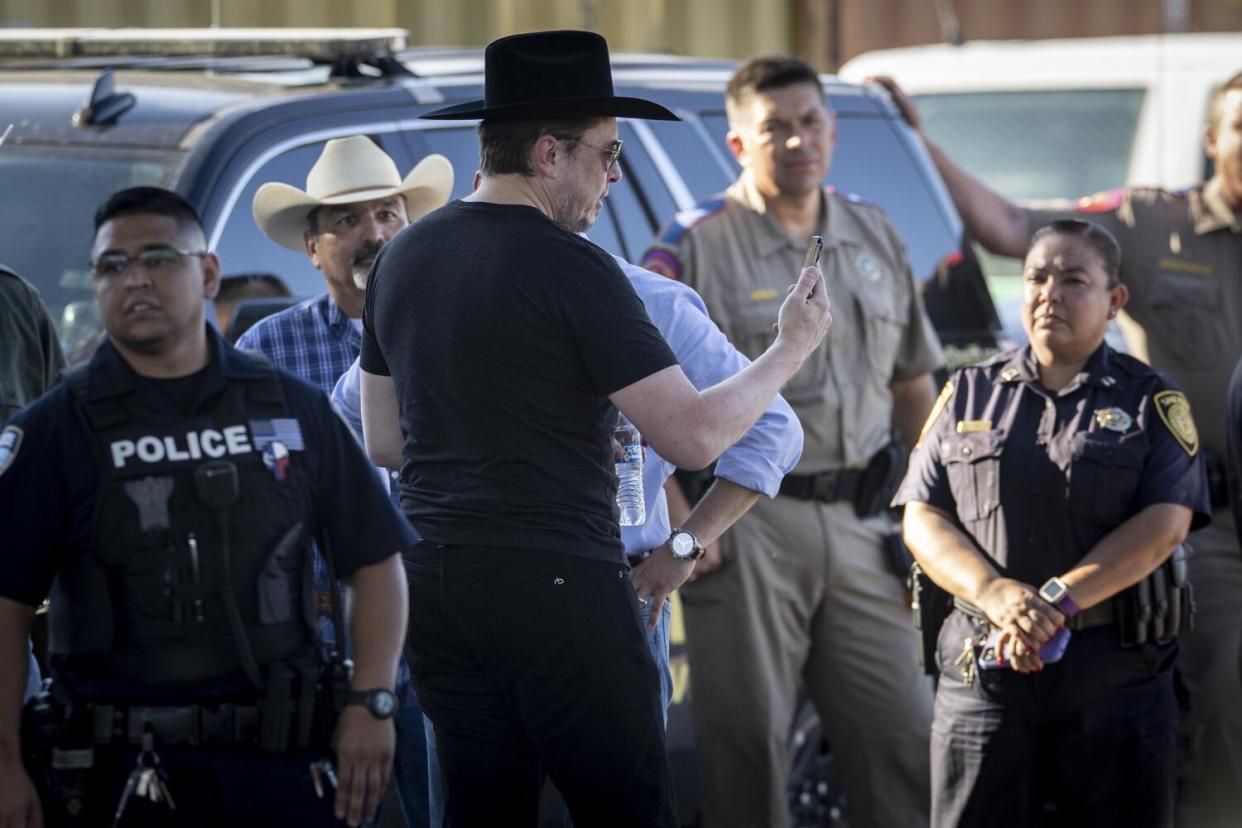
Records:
x=1096, y=237
x=149, y=201
x=1216, y=108
x=505, y=144
x=760, y=74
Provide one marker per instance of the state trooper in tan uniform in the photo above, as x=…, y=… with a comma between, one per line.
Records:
x=807, y=587
x=1182, y=262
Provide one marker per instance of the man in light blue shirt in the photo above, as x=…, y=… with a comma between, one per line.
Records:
x=751, y=467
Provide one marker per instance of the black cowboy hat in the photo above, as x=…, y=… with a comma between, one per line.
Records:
x=563, y=74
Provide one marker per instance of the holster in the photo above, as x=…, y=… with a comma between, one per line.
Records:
x=58, y=754
x=880, y=479
x=930, y=605
x=1158, y=607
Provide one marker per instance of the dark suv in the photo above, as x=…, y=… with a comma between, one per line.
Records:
x=216, y=114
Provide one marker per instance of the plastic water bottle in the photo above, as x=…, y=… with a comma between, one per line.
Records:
x=629, y=463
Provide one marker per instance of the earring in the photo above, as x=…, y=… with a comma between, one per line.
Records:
x=1111, y=314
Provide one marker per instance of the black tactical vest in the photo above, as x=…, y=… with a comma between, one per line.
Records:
x=150, y=603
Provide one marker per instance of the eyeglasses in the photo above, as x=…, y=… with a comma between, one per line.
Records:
x=153, y=260
x=612, y=151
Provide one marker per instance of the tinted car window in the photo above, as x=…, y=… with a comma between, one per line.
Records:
x=46, y=238
x=703, y=162
x=243, y=247
x=862, y=140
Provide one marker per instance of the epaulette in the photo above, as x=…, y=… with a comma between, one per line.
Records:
x=686, y=219
x=1104, y=201
x=854, y=198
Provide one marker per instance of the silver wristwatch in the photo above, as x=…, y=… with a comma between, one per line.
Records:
x=684, y=545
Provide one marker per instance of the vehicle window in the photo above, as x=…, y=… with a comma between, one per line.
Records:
x=1038, y=145
x=243, y=247
x=460, y=145
x=872, y=163
x=644, y=179
x=705, y=169
x=47, y=240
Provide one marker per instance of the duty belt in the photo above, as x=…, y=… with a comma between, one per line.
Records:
x=222, y=725
x=1101, y=615
x=828, y=487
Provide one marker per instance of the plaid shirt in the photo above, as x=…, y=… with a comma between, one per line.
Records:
x=316, y=341
x=313, y=340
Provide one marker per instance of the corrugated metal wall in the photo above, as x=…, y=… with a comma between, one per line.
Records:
x=820, y=30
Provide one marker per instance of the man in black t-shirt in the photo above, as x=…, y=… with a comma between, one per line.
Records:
x=496, y=343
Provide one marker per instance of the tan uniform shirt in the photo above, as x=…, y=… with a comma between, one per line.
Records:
x=742, y=261
x=1181, y=257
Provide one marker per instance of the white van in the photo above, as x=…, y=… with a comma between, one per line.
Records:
x=1065, y=118
x=1049, y=119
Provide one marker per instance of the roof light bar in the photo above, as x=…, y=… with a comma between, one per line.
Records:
x=314, y=44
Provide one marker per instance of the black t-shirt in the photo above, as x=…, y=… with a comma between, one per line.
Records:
x=504, y=334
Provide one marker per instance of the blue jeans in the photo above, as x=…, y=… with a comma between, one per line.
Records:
x=409, y=767
x=657, y=640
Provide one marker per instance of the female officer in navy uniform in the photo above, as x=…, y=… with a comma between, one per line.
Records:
x=1049, y=481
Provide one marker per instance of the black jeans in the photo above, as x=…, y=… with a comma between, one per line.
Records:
x=1094, y=734
x=531, y=662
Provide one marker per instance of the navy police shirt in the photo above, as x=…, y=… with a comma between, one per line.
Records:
x=1036, y=478
x=48, y=474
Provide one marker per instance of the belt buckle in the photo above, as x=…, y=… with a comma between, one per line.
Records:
x=824, y=486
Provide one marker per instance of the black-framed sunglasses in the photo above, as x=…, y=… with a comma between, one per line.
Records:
x=153, y=260
x=612, y=151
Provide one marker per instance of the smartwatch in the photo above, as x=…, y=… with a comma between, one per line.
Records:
x=1055, y=592
x=684, y=545
x=379, y=702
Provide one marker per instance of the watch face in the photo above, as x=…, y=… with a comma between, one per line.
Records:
x=1053, y=592
x=682, y=545
x=383, y=704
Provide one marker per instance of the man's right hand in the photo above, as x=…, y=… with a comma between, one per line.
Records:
x=803, y=320
x=19, y=802
x=1017, y=609
x=905, y=105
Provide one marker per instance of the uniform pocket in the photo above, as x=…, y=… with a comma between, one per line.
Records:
x=972, y=464
x=1104, y=475
x=1189, y=305
x=882, y=329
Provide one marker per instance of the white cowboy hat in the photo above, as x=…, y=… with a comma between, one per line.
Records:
x=349, y=170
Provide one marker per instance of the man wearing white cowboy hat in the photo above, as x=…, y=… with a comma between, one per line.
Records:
x=355, y=201
x=496, y=344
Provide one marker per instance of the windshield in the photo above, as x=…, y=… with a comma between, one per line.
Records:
x=1038, y=145
x=48, y=201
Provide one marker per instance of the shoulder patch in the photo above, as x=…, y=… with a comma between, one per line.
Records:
x=687, y=219
x=1102, y=202
x=661, y=261
x=946, y=394
x=10, y=442
x=1174, y=409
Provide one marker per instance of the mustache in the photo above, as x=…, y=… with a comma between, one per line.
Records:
x=367, y=253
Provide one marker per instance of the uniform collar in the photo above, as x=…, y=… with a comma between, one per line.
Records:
x=111, y=376
x=1097, y=371
x=772, y=236
x=1209, y=211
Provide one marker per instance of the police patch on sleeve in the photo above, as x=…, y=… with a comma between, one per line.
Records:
x=946, y=394
x=1174, y=409
x=662, y=262
x=10, y=442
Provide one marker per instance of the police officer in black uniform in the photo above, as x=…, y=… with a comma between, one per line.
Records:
x=165, y=495
x=1049, y=494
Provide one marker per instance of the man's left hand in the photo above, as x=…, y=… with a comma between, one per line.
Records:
x=655, y=579
x=364, y=748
